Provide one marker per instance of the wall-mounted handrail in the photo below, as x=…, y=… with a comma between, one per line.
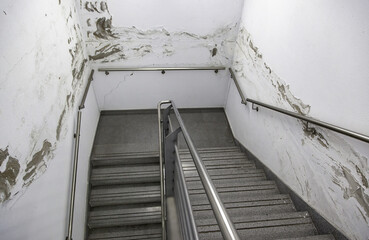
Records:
x=161, y=69
x=90, y=78
x=329, y=126
x=225, y=224
x=75, y=159
x=243, y=98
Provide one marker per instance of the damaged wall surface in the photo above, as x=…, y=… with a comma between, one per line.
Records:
x=160, y=33
x=316, y=66
x=44, y=67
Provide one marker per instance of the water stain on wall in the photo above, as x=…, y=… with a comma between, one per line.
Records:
x=37, y=163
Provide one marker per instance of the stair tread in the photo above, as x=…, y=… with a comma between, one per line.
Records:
x=149, y=231
x=125, y=174
x=264, y=218
x=262, y=233
x=315, y=237
x=120, y=216
x=122, y=194
x=212, y=149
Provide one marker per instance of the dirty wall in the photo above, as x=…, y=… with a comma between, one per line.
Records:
x=44, y=68
x=310, y=58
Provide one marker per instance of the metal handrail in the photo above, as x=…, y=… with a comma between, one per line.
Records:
x=75, y=158
x=90, y=78
x=162, y=69
x=329, y=126
x=225, y=224
x=190, y=217
x=162, y=176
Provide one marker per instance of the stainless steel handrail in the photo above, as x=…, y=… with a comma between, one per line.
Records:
x=190, y=219
x=329, y=126
x=75, y=158
x=243, y=98
x=225, y=224
x=90, y=78
x=162, y=176
x=109, y=69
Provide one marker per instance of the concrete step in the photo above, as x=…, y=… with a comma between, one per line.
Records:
x=192, y=172
x=147, y=173
x=123, y=194
x=250, y=187
x=316, y=237
x=256, y=176
x=297, y=229
x=124, y=158
x=201, y=199
x=140, y=232
x=217, y=155
x=213, y=149
x=237, y=203
x=123, y=216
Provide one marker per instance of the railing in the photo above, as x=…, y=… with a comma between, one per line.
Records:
x=332, y=127
x=161, y=69
x=173, y=183
x=75, y=159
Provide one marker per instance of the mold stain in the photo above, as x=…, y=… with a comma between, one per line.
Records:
x=214, y=52
x=38, y=163
x=8, y=177
x=3, y=155
x=103, y=29
x=105, y=51
x=60, y=124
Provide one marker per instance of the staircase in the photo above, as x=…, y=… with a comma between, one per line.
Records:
x=254, y=203
x=125, y=196
x=125, y=183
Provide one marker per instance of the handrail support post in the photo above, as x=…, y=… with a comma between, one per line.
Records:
x=170, y=154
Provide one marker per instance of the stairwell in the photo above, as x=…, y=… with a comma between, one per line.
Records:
x=125, y=182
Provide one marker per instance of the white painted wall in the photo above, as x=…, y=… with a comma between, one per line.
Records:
x=309, y=57
x=90, y=119
x=143, y=90
x=42, y=75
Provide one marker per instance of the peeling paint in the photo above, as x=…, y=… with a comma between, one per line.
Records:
x=355, y=190
x=38, y=162
x=364, y=180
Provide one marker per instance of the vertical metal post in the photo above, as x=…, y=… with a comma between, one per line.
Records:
x=74, y=177
x=162, y=174
x=170, y=154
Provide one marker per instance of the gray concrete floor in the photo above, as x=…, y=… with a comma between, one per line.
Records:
x=137, y=131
